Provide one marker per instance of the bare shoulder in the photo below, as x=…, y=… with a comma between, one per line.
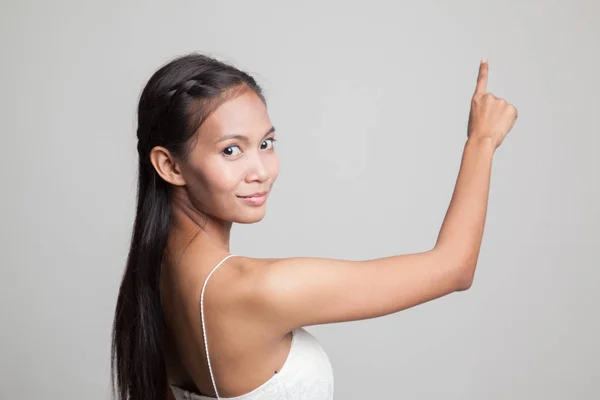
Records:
x=288, y=293
x=226, y=280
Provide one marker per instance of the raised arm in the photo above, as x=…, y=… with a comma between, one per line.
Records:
x=295, y=292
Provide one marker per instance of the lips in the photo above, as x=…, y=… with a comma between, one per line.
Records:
x=258, y=194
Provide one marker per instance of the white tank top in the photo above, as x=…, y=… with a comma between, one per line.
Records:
x=306, y=373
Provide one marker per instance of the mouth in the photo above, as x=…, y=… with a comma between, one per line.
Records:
x=256, y=199
x=255, y=195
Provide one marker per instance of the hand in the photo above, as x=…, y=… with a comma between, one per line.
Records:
x=490, y=116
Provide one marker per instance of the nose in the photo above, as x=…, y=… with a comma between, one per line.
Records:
x=257, y=170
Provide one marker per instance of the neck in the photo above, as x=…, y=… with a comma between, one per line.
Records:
x=191, y=224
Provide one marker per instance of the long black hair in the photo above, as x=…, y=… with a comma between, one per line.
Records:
x=173, y=105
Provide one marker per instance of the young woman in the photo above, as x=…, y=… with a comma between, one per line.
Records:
x=207, y=160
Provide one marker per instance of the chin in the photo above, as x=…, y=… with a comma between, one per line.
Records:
x=250, y=218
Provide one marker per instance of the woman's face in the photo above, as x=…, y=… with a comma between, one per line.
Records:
x=233, y=157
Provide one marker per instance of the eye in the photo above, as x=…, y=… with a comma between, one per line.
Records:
x=271, y=141
x=229, y=152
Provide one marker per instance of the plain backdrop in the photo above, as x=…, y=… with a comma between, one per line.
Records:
x=370, y=101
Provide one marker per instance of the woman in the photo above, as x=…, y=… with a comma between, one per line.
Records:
x=207, y=160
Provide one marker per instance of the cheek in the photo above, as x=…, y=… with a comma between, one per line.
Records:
x=215, y=180
x=225, y=180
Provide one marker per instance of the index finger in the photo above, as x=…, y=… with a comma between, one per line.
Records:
x=482, y=79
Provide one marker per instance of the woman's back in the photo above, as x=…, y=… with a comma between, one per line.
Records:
x=246, y=359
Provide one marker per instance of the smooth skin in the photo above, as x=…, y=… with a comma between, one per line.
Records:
x=251, y=305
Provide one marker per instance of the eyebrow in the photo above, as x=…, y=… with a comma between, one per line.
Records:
x=242, y=137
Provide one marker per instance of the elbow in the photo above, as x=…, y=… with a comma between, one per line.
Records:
x=466, y=275
x=463, y=267
x=464, y=283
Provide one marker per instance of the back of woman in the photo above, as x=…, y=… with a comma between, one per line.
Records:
x=246, y=359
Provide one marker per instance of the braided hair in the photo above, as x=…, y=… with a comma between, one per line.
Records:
x=173, y=105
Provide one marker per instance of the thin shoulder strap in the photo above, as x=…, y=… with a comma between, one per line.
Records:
x=203, y=329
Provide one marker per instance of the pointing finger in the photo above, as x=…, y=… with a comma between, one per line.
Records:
x=482, y=79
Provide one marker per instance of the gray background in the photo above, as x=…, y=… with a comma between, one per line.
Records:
x=370, y=100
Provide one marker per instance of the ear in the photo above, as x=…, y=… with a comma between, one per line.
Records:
x=166, y=166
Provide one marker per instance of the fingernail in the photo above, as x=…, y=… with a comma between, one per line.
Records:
x=483, y=60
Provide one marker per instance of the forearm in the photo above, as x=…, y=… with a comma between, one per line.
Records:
x=462, y=229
